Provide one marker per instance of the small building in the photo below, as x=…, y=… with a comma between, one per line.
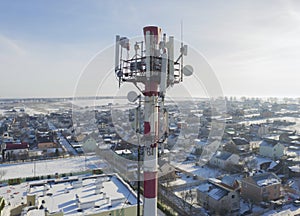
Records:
x=14, y=151
x=218, y=199
x=238, y=144
x=289, y=138
x=265, y=113
x=271, y=149
x=224, y=159
x=241, y=144
x=89, y=144
x=263, y=130
x=46, y=145
x=254, y=146
x=261, y=187
x=230, y=181
x=167, y=172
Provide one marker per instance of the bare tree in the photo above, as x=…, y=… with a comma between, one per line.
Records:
x=250, y=164
x=2, y=173
x=250, y=204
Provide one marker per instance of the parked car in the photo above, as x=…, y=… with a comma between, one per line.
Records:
x=296, y=202
x=290, y=183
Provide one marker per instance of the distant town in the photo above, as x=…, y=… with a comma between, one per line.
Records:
x=62, y=156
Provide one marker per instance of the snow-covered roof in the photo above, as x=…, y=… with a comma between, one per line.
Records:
x=123, y=151
x=273, y=164
x=295, y=168
x=266, y=182
x=204, y=187
x=294, y=137
x=213, y=190
x=265, y=179
x=218, y=193
x=36, y=212
x=240, y=141
x=228, y=180
x=222, y=155
x=261, y=160
x=268, y=143
x=91, y=194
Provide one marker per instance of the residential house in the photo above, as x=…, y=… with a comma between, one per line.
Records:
x=271, y=149
x=14, y=151
x=263, y=130
x=261, y=187
x=260, y=130
x=287, y=168
x=289, y=138
x=238, y=144
x=294, y=138
x=294, y=171
x=46, y=145
x=89, y=144
x=218, y=199
x=230, y=181
x=224, y=159
x=45, y=140
x=167, y=172
x=254, y=146
x=265, y=113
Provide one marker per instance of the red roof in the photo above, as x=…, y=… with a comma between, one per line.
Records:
x=17, y=146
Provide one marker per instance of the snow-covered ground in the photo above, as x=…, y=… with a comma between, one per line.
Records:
x=284, y=211
x=50, y=167
x=99, y=102
x=183, y=180
x=201, y=171
x=290, y=127
x=189, y=195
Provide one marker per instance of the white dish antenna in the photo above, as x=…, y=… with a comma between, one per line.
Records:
x=132, y=96
x=187, y=70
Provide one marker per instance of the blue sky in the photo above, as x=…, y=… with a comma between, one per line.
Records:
x=253, y=46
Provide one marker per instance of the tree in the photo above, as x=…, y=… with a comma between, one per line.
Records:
x=198, y=151
x=249, y=204
x=3, y=155
x=8, y=156
x=2, y=173
x=56, y=152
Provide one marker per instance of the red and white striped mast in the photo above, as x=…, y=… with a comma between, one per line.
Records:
x=151, y=110
x=156, y=70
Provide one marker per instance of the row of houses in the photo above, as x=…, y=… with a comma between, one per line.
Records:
x=12, y=149
x=268, y=147
x=223, y=196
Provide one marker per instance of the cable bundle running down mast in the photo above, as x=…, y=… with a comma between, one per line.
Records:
x=152, y=70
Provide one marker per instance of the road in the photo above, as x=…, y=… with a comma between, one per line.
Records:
x=160, y=213
x=62, y=140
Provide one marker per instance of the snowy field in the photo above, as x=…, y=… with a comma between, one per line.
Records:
x=50, y=167
x=204, y=172
x=290, y=127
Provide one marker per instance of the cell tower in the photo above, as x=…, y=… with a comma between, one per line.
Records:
x=152, y=70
